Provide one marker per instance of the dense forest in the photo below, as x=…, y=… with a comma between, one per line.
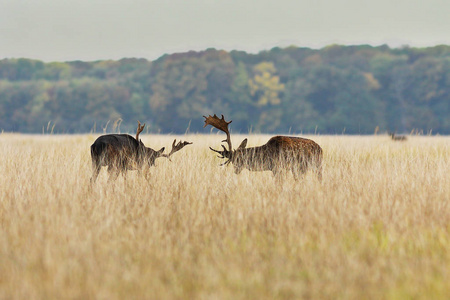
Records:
x=336, y=89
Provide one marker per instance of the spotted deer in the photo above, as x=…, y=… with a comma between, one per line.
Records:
x=122, y=152
x=279, y=154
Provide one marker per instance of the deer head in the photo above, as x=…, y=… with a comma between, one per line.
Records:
x=146, y=154
x=150, y=154
x=222, y=125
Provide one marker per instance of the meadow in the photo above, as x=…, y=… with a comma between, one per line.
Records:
x=376, y=227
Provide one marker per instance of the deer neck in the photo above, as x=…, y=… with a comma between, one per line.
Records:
x=253, y=159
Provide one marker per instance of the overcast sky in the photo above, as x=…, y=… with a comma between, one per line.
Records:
x=61, y=30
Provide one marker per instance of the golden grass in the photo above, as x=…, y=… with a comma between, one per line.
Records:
x=377, y=227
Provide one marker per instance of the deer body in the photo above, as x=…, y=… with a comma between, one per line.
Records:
x=396, y=137
x=122, y=152
x=280, y=153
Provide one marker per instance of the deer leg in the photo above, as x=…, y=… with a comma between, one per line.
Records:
x=95, y=172
x=96, y=166
x=145, y=172
x=278, y=174
x=295, y=172
x=94, y=176
x=319, y=173
x=316, y=167
x=299, y=170
x=298, y=173
x=113, y=173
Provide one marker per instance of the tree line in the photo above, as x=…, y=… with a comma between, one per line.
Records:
x=336, y=89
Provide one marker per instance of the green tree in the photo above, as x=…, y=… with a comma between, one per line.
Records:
x=188, y=86
x=265, y=90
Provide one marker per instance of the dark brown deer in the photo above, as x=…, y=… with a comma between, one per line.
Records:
x=279, y=154
x=396, y=137
x=122, y=152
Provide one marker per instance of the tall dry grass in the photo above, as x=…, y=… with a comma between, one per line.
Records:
x=377, y=227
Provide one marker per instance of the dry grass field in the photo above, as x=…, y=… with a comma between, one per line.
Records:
x=377, y=227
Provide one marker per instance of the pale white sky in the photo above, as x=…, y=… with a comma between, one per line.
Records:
x=61, y=30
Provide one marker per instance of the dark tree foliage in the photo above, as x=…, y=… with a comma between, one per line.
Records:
x=351, y=89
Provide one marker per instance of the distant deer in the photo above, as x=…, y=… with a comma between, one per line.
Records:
x=396, y=137
x=280, y=153
x=122, y=152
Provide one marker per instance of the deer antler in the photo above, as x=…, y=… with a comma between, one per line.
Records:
x=222, y=125
x=176, y=148
x=139, y=130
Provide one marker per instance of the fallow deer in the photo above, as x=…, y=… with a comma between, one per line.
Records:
x=122, y=152
x=396, y=137
x=280, y=153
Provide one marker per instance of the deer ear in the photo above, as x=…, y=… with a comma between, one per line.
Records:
x=161, y=150
x=243, y=144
